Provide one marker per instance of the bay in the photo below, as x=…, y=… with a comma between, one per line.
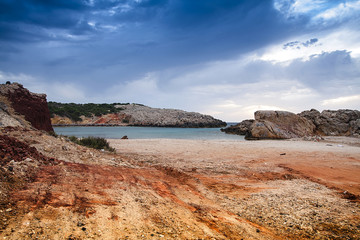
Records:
x=147, y=133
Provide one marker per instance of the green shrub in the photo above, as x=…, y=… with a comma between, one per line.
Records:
x=74, y=111
x=74, y=139
x=53, y=133
x=93, y=142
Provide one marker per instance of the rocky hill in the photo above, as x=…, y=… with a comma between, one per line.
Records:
x=33, y=107
x=285, y=125
x=137, y=115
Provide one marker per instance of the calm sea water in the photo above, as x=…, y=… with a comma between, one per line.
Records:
x=147, y=133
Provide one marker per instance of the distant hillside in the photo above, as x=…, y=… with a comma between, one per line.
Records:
x=74, y=111
x=125, y=114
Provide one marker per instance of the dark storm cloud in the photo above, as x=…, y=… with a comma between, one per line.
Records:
x=103, y=41
x=187, y=32
x=39, y=20
x=169, y=50
x=44, y=13
x=28, y=20
x=105, y=33
x=175, y=15
x=224, y=25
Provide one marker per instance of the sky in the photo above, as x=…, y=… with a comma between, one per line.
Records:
x=226, y=58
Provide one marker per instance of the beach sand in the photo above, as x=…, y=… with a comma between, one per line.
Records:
x=334, y=162
x=188, y=189
x=283, y=189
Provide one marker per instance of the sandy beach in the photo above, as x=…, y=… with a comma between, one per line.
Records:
x=334, y=162
x=289, y=188
x=188, y=189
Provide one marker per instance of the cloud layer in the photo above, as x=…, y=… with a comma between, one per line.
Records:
x=225, y=58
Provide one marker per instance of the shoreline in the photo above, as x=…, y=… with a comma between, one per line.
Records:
x=120, y=125
x=339, y=141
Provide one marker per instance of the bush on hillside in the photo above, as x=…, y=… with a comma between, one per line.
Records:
x=93, y=142
x=74, y=111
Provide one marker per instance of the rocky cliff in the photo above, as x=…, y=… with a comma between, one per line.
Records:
x=140, y=115
x=33, y=107
x=285, y=125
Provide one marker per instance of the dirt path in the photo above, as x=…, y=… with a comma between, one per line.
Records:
x=180, y=189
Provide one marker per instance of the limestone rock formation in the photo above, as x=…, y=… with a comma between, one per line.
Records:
x=146, y=116
x=343, y=122
x=239, y=129
x=31, y=105
x=279, y=125
x=284, y=125
x=140, y=115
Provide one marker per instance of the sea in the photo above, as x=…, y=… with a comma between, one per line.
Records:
x=147, y=133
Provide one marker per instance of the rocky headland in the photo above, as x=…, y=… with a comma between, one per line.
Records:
x=286, y=125
x=140, y=115
x=32, y=106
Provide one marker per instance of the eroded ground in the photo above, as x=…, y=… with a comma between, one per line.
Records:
x=181, y=189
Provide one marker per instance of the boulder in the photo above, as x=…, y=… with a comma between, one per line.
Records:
x=343, y=122
x=239, y=129
x=279, y=125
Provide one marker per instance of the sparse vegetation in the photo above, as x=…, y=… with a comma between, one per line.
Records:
x=92, y=142
x=75, y=110
x=53, y=133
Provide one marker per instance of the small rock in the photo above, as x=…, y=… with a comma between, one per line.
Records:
x=125, y=137
x=80, y=224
